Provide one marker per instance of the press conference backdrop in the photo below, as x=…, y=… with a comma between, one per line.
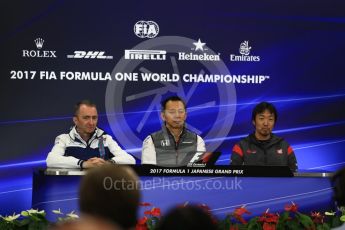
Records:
x=221, y=57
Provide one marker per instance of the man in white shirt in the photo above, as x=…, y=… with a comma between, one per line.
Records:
x=86, y=145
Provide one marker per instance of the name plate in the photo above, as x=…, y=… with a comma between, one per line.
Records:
x=219, y=170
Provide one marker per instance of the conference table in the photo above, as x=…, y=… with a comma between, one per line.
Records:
x=221, y=188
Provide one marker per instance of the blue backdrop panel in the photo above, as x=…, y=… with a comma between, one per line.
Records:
x=221, y=194
x=298, y=48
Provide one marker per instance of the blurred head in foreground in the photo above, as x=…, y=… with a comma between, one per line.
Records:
x=111, y=192
x=187, y=218
x=338, y=181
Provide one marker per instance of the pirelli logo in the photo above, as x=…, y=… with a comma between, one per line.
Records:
x=145, y=54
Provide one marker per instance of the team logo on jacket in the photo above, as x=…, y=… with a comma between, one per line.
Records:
x=103, y=138
x=249, y=151
x=280, y=151
x=165, y=143
x=187, y=142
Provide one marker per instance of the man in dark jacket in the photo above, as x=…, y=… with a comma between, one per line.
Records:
x=174, y=144
x=263, y=147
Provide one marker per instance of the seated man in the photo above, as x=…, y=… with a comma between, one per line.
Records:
x=173, y=145
x=263, y=147
x=86, y=146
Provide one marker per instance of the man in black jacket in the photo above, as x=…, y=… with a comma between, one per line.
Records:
x=263, y=147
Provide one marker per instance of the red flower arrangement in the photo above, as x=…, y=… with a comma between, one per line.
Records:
x=291, y=207
x=239, y=212
x=290, y=218
x=269, y=220
x=153, y=212
x=151, y=218
x=317, y=217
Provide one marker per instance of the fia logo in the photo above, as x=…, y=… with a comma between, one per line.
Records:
x=165, y=143
x=146, y=29
x=244, y=48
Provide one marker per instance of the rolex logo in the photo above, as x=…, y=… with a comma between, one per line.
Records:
x=39, y=43
x=39, y=53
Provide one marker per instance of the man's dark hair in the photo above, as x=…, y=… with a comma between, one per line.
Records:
x=111, y=192
x=261, y=107
x=83, y=102
x=187, y=218
x=338, y=182
x=172, y=98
